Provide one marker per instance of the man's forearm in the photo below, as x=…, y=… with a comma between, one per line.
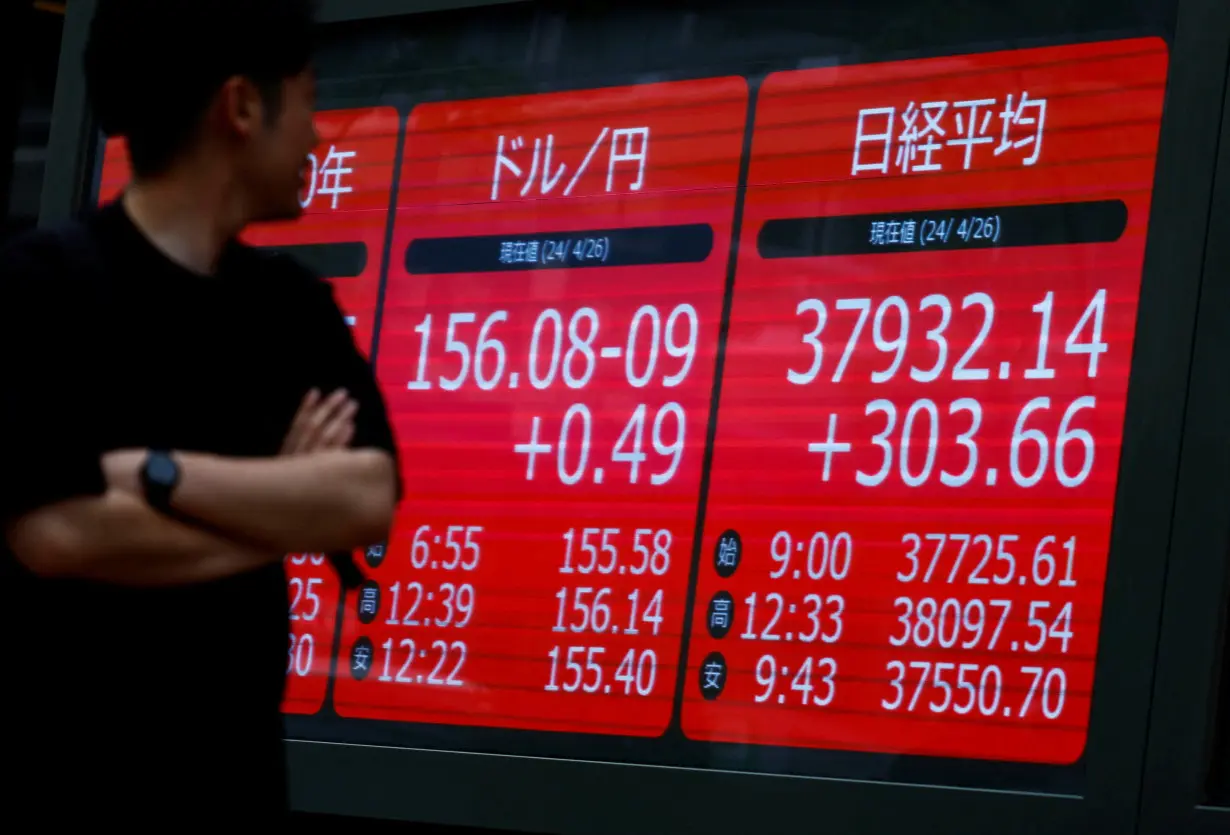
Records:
x=118, y=538
x=323, y=501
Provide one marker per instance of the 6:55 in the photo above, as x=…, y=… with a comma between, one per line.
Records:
x=420, y=551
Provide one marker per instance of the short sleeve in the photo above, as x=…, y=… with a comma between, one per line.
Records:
x=48, y=448
x=342, y=365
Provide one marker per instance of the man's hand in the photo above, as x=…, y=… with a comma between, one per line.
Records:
x=321, y=424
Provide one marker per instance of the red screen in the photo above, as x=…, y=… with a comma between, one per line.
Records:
x=346, y=210
x=922, y=404
x=548, y=345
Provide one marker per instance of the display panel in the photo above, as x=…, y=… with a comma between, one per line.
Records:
x=341, y=235
x=548, y=345
x=922, y=404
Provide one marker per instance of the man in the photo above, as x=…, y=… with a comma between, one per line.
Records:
x=179, y=412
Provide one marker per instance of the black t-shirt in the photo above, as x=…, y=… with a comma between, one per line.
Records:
x=129, y=704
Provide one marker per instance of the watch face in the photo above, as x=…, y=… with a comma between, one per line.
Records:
x=162, y=470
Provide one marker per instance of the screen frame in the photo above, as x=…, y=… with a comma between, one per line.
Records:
x=574, y=796
x=1194, y=625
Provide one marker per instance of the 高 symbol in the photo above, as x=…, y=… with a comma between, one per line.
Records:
x=721, y=614
x=369, y=601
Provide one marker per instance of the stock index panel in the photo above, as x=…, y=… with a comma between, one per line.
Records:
x=918, y=439
x=913, y=372
x=550, y=334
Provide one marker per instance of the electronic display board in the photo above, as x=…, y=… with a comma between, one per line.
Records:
x=341, y=235
x=916, y=428
x=922, y=404
x=549, y=338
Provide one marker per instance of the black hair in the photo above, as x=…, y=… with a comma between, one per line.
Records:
x=153, y=66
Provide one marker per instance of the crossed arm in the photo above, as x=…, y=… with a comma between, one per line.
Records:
x=317, y=495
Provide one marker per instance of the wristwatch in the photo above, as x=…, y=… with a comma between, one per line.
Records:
x=159, y=477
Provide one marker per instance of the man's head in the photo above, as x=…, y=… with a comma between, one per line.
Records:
x=228, y=80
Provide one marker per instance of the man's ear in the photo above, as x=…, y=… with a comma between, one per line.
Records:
x=238, y=107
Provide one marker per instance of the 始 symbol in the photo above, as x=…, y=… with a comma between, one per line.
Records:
x=1004, y=369
x=513, y=379
x=727, y=553
x=599, y=473
x=721, y=614
x=374, y=555
x=713, y=676
x=369, y=601
x=992, y=476
x=361, y=658
x=829, y=447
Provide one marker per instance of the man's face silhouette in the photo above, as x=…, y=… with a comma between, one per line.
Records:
x=272, y=161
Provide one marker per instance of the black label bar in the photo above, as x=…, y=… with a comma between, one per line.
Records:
x=639, y=246
x=341, y=260
x=1094, y=222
